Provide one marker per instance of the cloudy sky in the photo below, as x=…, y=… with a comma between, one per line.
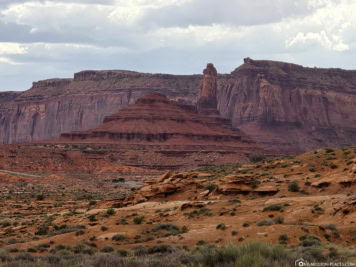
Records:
x=55, y=38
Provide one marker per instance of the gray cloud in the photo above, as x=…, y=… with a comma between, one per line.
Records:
x=46, y=39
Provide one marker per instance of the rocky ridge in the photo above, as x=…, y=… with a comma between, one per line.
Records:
x=284, y=106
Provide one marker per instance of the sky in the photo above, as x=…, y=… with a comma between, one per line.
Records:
x=56, y=38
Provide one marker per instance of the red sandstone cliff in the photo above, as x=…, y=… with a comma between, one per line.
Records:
x=291, y=107
x=286, y=106
x=208, y=89
x=54, y=106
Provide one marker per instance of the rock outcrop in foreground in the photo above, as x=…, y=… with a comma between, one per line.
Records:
x=287, y=107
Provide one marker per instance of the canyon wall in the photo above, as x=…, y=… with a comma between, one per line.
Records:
x=291, y=107
x=54, y=106
x=285, y=106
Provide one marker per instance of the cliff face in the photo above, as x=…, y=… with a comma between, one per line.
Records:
x=156, y=132
x=54, y=106
x=208, y=89
x=154, y=119
x=291, y=107
x=285, y=106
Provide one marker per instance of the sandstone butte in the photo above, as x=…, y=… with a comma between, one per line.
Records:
x=154, y=133
x=286, y=107
x=171, y=131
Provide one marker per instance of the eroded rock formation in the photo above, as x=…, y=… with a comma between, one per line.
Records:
x=155, y=118
x=287, y=107
x=208, y=89
x=159, y=128
x=290, y=107
x=54, y=106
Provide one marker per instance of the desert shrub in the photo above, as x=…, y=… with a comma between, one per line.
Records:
x=161, y=248
x=79, y=232
x=264, y=223
x=210, y=187
x=279, y=220
x=185, y=229
x=42, y=230
x=104, y=228
x=63, y=229
x=171, y=228
x=313, y=254
x=118, y=237
x=123, y=252
x=272, y=208
x=251, y=254
x=5, y=224
x=293, y=187
x=25, y=257
x=40, y=197
x=329, y=150
x=283, y=239
x=201, y=243
x=330, y=227
x=78, y=248
x=92, y=218
x=138, y=219
x=44, y=245
x=246, y=224
x=92, y=202
x=309, y=240
x=12, y=241
x=333, y=166
x=32, y=250
x=110, y=211
x=4, y=255
x=312, y=169
x=234, y=201
x=254, y=183
x=221, y=226
x=120, y=180
x=107, y=249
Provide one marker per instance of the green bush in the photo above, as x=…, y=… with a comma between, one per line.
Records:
x=283, y=239
x=333, y=166
x=210, y=187
x=279, y=220
x=138, y=219
x=309, y=240
x=123, y=252
x=118, y=237
x=246, y=224
x=293, y=187
x=272, y=208
x=40, y=197
x=329, y=150
x=107, y=249
x=221, y=226
x=110, y=211
x=264, y=223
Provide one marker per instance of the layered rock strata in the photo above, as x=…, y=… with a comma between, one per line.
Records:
x=161, y=133
x=288, y=107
